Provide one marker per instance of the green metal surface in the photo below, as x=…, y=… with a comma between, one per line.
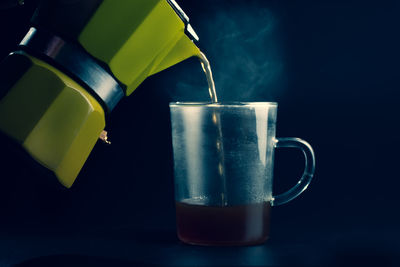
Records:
x=53, y=118
x=137, y=39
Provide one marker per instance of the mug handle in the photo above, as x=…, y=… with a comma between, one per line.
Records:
x=308, y=173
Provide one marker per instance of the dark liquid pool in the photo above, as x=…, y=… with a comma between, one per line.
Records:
x=223, y=225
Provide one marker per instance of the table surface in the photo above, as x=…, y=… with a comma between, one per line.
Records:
x=123, y=246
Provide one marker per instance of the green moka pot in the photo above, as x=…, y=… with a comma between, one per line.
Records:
x=79, y=59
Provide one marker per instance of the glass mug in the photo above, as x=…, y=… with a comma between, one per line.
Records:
x=223, y=168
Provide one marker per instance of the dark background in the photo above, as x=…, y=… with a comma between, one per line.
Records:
x=333, y=67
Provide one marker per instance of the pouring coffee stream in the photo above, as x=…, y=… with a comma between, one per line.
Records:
x=205, y=64
x=217, y=122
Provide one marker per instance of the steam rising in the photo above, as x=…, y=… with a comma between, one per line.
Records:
x=243, y=47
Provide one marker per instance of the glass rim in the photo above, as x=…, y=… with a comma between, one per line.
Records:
x=221, y=104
